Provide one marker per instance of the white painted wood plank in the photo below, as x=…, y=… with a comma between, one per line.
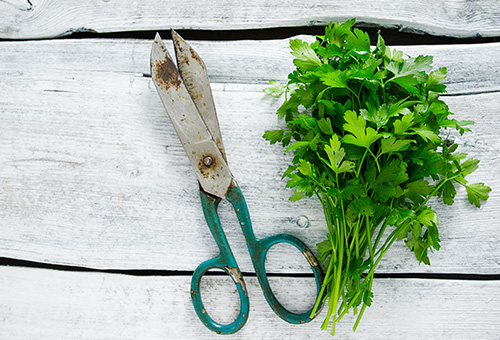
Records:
x=46, y=304
x=471, y=68
x=92, y=173
x=21, y=19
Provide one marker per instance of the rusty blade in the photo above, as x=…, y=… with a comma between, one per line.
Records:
x=194, y=74
x=204, y=154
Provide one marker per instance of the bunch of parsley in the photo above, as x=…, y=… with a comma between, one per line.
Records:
x=366, y=130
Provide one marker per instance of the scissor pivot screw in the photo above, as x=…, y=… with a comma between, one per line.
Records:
x=208, y=160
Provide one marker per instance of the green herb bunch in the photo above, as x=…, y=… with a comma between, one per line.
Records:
x=365, y=127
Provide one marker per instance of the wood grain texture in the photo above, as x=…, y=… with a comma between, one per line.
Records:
x=47, y=304
x=34, y=19
x=92, y=173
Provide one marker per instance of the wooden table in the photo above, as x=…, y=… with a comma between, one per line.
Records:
x=100, y=220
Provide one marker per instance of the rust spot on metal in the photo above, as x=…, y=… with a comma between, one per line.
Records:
x=206, y=164
x=167, y=75
x=237, y=278
x=310, y=257
x=192, y=293
x=197, y=58
x=218, y=332
x=303, y=321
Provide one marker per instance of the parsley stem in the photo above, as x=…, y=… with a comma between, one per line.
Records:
x=436, y=189
x=361, y=163
x=375, y=158
x=369, y=237
x=346, y=309
x=356, y=96
x=323, y=287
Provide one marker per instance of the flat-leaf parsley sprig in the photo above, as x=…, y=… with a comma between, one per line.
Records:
x=365, y=128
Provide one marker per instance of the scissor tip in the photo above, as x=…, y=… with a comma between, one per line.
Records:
x=157, y=37
x=177, y=38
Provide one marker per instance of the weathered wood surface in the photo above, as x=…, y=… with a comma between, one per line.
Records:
x=48, y=304
x=92, y=173
x=32, y=19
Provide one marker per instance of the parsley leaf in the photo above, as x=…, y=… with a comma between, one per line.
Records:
x=306, y=58
x=477, y=192
x=336, y=156
x=361, y=135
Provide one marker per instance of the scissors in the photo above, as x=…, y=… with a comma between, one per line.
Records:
x=187, y=97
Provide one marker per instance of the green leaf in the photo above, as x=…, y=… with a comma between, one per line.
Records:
x=275, y=90
x=449, y=192
x=367, y=298
x=383, y=193
x=358, y=40
x=432, y=237
x=380, y=47
x=458, y=125
x=335, y=78
x=393, y=171
x=398, y=216
x=408, y=83
x=379, y=116
x=401, y=107
x=392, y=144
x=415, y=65
x=361, y=135
x=297, y=145
x=354, y=190
x=336, y=156
x=325, y=125
x=365, y=70
x=362, y=205
x=427, y=134
x=337, y=34
x=477, y=192
x=297, y=196
x=418, y=190
x=428, y=217
x=469, y=166
x=402, y=125
x=434, y=80
x=306, y=57
x=306, y=168
x=324, y=247
x=273, y=136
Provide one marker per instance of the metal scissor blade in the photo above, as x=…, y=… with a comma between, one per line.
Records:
x=194, y=74
x=205, y=157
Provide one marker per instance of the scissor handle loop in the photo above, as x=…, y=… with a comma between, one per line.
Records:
x=259, y=260
x=258, y=250
x=235, y=274
x=226, y=262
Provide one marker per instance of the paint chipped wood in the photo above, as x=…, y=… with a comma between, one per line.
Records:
x=20, y=19
x=94, y=175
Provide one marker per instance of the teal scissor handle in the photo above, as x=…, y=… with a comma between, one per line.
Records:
x=226, y=262
x=258, y=250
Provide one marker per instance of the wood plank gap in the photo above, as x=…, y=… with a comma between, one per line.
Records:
x=391, y=36
x=469, y=93
x=9, y=262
